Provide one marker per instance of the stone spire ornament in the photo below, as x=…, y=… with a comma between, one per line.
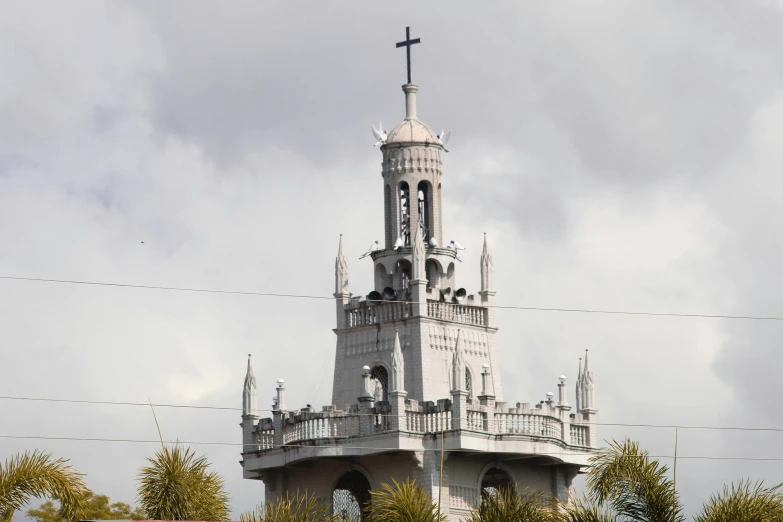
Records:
x=588, y=387
x=397, y=366
x=340, y=271
x=486, y=268
x=458, y=366
x=250, y=393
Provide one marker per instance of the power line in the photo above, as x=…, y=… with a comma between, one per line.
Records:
x=374, y=448
x=377, y=415
x=329, y=298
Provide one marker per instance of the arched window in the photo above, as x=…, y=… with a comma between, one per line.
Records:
x=379, y=383
x=405, y=214
x=351, y=497
x=424, y=211
x=495, y=479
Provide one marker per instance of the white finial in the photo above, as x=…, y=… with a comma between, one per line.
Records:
x=250, y=393
x=340, y=271
x=397, y=365
x=280, y=403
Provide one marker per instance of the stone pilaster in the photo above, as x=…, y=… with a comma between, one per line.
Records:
x=249, y=434
x=459, y=409
x=397, y=400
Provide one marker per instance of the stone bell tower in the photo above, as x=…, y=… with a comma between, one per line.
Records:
x=416, y=390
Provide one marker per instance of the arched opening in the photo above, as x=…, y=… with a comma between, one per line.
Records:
x=450, y=279
x=382, y=278
x=423, y=198
x=379, y=384
x=432, y=268
x=402, y=275
x=405, y=214
x=495, y=479
x=351, y=496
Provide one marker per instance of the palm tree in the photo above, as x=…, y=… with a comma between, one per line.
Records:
x=635, y=487
x=744, y=502
x=403, y=502
x=505, y=504
x=36, y=474
x=625, y=484
x=177, y=485
x=291, y=508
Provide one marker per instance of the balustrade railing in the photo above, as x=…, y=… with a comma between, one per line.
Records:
x=528, y=424
x=266, y=439
x=321, y=428
x=311, y=427
x=419, y=422
x=475, y=420
x=580, y=435
x=378, y=313
x=458, y=313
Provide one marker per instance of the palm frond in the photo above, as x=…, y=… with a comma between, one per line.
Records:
x=635, y=486
x=178, y=485
x=506, y=504
x=296, y=507
x=36, y=474
x=744, y=502
x=582, y=510
x=403, y=502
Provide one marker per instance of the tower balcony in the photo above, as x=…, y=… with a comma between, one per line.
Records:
x=408, y=425
x=366, y=313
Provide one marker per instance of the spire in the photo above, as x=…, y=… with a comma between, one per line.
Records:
x=486, y=268
x=578, y=387
x=419, y=257
x=250, y=396
x=458, y=366
x=340, y=271
x=588, y=387
x=397, y=365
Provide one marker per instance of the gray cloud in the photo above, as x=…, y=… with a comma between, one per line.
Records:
x=620, y=157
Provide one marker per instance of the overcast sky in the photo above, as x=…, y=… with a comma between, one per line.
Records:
x=620, y=155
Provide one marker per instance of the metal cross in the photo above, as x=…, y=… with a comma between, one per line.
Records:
x=407, y=44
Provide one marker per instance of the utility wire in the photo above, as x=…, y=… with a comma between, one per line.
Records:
x=374, y=448
x=329, y=298
x=378, y=415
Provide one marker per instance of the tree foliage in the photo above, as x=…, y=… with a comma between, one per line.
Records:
x=506, y=504
x=96, y=507
x=744, y=502
x=636, y=487
x=291, y=508
x=37, y=475
x=178, y=485
x=403, y=502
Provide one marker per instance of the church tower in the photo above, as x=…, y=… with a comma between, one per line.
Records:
x=416, y=389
